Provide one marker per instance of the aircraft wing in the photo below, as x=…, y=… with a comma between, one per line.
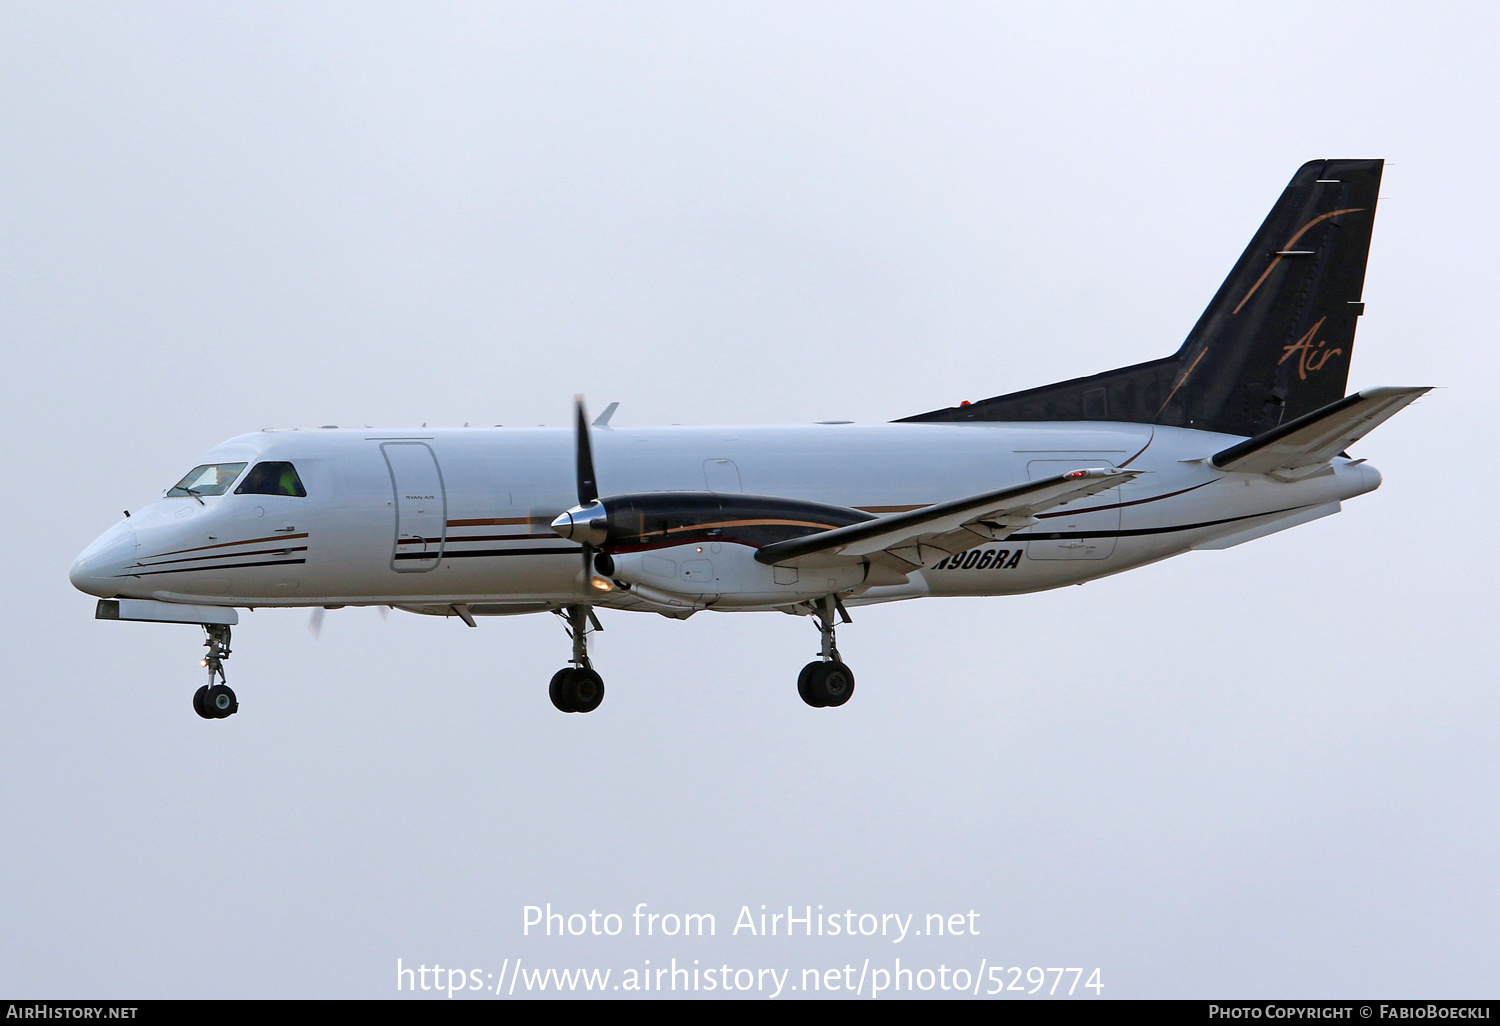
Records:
x=1310, y=441
x=909, y=541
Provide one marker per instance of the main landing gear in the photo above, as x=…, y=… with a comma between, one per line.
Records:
x=827, y=682
x=823, y=684
x=578, y=688
x=215, y=701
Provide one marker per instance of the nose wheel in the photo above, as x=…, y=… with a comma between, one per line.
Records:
x=577, y=688
x=214, y=701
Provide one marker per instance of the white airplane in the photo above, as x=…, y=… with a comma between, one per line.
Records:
x=1239, y=434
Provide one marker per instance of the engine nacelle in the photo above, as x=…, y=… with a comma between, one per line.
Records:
x=725, y=574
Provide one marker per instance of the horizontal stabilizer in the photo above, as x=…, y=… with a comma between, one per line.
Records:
x=906, y=541
x=1312, y=440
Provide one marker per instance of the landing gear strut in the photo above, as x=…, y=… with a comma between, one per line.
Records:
x=215, y=701
x=827, y=682
x=578, y=688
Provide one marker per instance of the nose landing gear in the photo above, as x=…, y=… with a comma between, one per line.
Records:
x=827, y=682
x=215, y=701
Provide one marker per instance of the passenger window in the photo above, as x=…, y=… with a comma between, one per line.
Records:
x=272, y=479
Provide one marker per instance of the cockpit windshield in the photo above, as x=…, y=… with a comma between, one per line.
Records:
x=272, y=479
x=209, y=479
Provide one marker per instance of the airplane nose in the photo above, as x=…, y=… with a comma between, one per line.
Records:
x=94, y=571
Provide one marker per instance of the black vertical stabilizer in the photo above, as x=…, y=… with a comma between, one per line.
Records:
x=1273, y=345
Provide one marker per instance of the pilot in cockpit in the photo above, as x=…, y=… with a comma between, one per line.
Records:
x=272, y=478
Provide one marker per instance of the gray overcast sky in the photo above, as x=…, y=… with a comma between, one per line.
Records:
x=1267, y=771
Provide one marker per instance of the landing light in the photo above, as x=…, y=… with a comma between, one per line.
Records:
x=601, y=584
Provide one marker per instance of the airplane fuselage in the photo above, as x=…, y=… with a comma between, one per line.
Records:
x=430, y=520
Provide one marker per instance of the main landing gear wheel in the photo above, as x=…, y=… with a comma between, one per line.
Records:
x=825, y=684
x=576, y=690
x=802, y=679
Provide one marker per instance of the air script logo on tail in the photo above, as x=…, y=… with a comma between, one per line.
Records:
x=1305, y=347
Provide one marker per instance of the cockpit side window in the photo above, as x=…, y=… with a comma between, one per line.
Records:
x=209, y=479
x=272, y=479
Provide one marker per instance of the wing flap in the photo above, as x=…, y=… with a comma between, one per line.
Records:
x=906, y=541
x=1310, y=441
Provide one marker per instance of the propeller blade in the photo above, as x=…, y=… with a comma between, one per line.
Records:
x=588, y=487
x=588, y=493
x=315, y=622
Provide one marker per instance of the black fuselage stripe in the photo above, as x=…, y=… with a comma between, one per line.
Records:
x=1140, y=531
x=471, y=553
x=453, y=539
x=225, y=555
x=1121, y=505
x=226, y=545
x=225, y=566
